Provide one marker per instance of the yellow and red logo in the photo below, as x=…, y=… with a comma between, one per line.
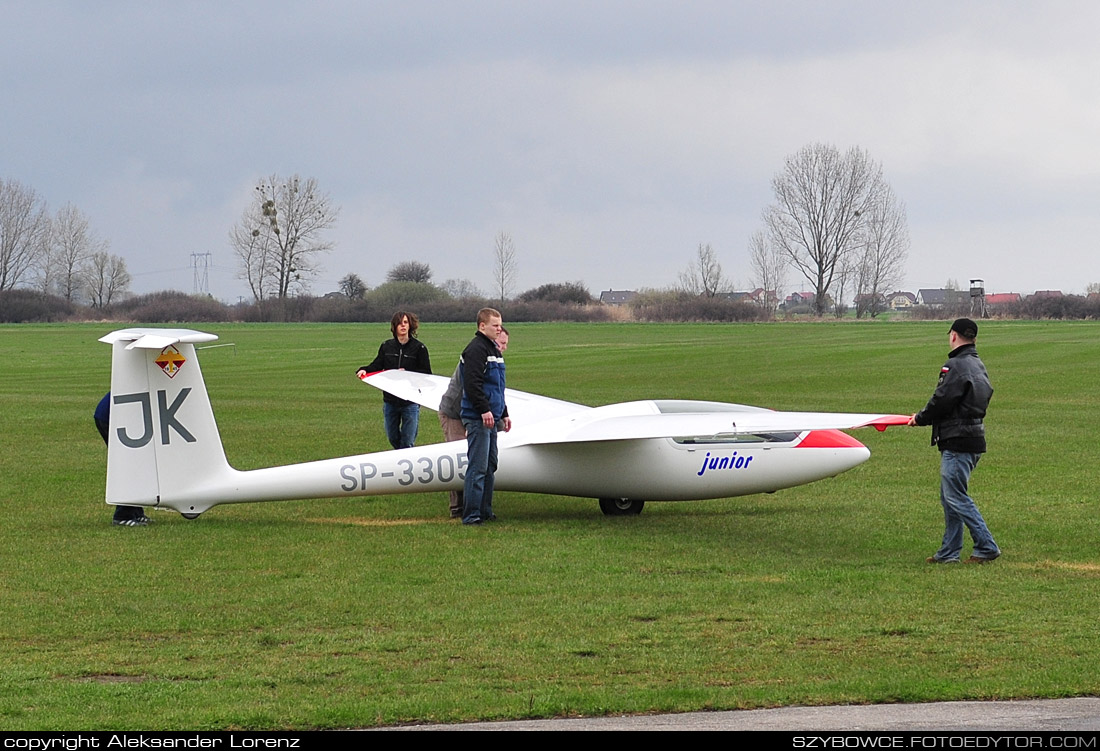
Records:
x=170, y=361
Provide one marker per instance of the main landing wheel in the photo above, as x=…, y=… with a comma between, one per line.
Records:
x=621, y=506
x=190, y=516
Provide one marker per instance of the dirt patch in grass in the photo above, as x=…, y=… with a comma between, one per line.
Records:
x=377, y=522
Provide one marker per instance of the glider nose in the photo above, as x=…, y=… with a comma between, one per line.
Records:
x=829, y=439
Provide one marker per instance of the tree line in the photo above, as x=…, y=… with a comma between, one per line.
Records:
x=55, y=253
x=834, y=220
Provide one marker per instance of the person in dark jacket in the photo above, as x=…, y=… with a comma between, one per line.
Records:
x=483, y=411
x=956, y=412
x=403, y=352
x=125, y=516
x=450, y=417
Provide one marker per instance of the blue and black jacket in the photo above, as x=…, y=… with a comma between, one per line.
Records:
x=482, y=368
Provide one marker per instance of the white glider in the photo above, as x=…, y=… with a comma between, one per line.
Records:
x=164, y=448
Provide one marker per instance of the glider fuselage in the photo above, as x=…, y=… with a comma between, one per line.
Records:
x=165, y=449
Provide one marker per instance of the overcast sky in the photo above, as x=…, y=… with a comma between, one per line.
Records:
x=609, y=139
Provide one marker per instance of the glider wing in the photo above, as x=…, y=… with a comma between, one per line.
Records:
x=596, y=425
x=427, y=391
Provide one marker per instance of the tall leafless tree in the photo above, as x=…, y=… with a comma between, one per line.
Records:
x=72, y=244
x=821, y=196
x=24, y=233
x=883, y=252
x=504, y=256
x=769, y=270
x=253, y=247
x=704, y=275
x=280, y=235
x=105, y=278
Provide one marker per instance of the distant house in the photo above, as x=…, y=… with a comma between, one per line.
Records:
x=932, y=297
x=1044, y=294
x=866, y=301
x=942, y=297
x=734, y=296
x=617, y=297
x=1002, y=298
x=799, y=298
x=900, y=300
x=761, y=297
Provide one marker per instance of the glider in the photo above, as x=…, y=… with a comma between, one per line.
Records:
x=164, y=449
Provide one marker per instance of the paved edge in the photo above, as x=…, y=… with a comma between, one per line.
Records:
x=1040, y=714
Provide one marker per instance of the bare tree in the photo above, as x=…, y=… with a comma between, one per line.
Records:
x=105, y=278
x=460, y=288
x=769, y=270
x=505, y=264
x=821, y=196
x=884, y=249
x=72, y=244
x=410, y=271
x=255, y=254
x=843, y=280
x=352, y=287
x=704, y=275
x=24, y=233
x=278, y=238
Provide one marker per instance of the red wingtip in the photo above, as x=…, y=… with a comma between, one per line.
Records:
x=886, y=421
x=365, y=376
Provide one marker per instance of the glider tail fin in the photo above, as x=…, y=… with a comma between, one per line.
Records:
x=163, y=441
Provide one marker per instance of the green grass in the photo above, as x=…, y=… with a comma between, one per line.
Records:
x=360, y=612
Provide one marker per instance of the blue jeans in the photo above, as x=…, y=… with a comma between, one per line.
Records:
x=402, y=424
x=481, y=452
x=959, y=509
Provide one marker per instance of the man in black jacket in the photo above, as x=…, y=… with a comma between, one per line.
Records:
x=955, y=413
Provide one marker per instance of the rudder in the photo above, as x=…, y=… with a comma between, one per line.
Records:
x=163, y=438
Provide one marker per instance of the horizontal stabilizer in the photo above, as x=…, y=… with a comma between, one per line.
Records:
x=157, y=338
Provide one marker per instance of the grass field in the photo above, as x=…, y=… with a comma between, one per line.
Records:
x=363, y=612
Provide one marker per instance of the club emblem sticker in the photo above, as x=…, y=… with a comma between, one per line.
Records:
x=170, y=361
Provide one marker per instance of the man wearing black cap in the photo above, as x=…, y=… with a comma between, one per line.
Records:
x=955, y=413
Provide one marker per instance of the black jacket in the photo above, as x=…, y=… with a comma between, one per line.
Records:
x=959, y=403
x=393, y=355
